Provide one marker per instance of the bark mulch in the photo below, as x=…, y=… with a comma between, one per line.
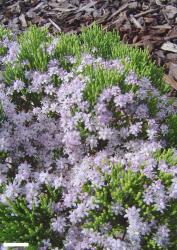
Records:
x=150, y=24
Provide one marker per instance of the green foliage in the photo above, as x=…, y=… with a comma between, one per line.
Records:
x=68, y=45
x=33, y=47
x=21, y=224
x=3, y=51
x=152, y=105
x=13, y=72
x=99, y=79
x=126, y=188
x=94, y=38
x=167, y=155
x=84, y=132
x=121, y=187
x=96, y=41
x=172, y=133
x=140, y=62
x=108, y=45
x=56, y=80
x=5, y=33
x=1, y=114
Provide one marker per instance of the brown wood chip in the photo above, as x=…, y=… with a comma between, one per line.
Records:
x=168, y=46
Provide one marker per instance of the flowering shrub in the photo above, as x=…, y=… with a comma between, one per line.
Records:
x=87, y=130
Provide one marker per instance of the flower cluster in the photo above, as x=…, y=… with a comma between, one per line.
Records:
x=82, y=142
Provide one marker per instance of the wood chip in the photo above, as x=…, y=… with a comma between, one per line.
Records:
x=172, y=57
x=170, y=81
x=23, y=20
x=168, y=46
x=136, y=22
x=173, y=71
x=170, y=11
x=120, y=19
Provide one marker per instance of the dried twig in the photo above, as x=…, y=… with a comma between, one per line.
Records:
x=138, y=44
x=65, y=9
x=124, y=7
x=163, y=26
x=39, y=6
x=86, y=7
x=146, y=12
x=123, y=18
x=55, y=25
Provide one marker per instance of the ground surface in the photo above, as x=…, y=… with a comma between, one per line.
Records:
x=151, y=24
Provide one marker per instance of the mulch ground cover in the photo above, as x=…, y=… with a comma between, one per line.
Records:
x=150, y=24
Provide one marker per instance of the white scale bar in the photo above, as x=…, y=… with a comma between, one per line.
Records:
x=15, y=244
